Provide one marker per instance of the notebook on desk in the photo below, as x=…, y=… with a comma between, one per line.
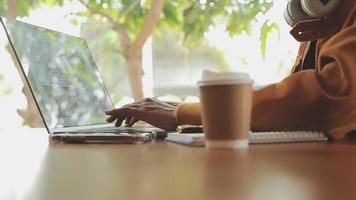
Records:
x=66, y=85
x=197, y=139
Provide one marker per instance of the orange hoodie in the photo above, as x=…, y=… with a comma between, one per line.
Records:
x=320, y=94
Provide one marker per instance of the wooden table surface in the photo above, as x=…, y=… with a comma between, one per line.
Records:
x=34, y=168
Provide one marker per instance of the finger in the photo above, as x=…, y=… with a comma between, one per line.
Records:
x=110, y=111
x=118, y=112
x=128, y=119
x=127, y=113
x=118, y=122
x=110, y=119
x=132, y=122
x=119, y=115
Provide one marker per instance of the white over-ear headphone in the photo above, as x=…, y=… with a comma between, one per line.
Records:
x=301, y=10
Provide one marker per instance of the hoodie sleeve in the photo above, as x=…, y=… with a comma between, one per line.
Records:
x=315, y=99
x=312, y=99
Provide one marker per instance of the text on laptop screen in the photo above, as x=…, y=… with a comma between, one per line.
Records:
x=62, y=74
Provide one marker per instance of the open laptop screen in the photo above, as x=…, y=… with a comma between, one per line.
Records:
x=62, y=75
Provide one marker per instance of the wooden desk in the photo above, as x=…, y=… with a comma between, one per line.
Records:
x=32, y=168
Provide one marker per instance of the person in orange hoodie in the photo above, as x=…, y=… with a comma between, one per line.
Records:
x=319, y=94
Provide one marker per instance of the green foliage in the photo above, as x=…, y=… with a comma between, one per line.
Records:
x=179, y=55
x=3, y=7
x=193, y=17
x=108, y=57
x=23, y=7
x=244, y=14
x=266, y=28
x=196, y=17
x=172, y=15
x=126, y=13
x=53, y=2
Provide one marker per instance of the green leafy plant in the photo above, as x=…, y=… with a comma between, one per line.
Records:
x=134, y=21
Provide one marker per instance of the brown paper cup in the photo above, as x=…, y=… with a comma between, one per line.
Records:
x=226, y=113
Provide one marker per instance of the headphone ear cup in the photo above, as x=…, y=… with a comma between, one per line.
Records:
x=294, y=12
x=319, y=8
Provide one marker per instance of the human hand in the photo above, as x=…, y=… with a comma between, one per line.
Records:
x=155, y=112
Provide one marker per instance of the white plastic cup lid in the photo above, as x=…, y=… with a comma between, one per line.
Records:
x=224, y=78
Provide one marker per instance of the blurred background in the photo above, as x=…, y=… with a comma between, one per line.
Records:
x=154, y=48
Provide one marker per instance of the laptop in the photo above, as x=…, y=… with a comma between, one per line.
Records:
x=67, y=86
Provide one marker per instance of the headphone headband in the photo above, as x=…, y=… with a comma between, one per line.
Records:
x=319, y=8
x=302, y=10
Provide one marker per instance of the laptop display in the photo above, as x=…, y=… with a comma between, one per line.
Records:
x=62, y=74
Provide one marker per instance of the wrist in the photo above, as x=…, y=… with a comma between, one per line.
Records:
x=188, y=114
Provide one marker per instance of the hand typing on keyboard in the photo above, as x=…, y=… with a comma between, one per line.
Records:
x=155, y=112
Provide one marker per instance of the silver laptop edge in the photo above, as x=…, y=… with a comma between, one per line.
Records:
x=51, y=131
x=77, y=128
x=77, y=133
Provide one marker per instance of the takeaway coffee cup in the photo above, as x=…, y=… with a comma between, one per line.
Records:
x=226, y=100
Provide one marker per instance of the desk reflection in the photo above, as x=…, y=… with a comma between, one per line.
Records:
x=21, y=157
x=34, y=169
